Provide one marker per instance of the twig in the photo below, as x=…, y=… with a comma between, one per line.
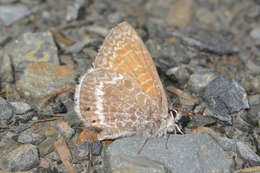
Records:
x=248, y=170
x=43, y=121
x=48, y=98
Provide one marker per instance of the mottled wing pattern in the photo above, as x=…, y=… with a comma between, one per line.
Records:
x=123, y=51
x=114, y=104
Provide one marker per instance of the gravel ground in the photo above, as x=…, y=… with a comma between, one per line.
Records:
x=207, y=54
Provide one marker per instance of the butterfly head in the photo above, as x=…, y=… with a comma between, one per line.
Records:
x=169, y=125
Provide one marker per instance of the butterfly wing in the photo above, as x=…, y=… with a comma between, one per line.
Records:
x=114, y=104
x=123, y=51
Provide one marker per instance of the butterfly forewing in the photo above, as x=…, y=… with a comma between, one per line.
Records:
x=123, y=51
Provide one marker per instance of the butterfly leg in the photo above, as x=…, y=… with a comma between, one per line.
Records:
x=178, y=129
x=143, y=144
x=166, y=140
x=175, y=117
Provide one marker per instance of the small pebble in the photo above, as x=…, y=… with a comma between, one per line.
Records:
x=96, y=148
x=248, y=154
x=6, y=110
x=20, y=128
x=59, y=107
x=28, y=137
x=199, y=81
x=73, y=9
x=83, y=151
x=255, y=34
x=180, y=74
x=225, y=96
x=23, y=158
x=65, y=129
x=9, y=14
x=21, y=107
x=254, y=99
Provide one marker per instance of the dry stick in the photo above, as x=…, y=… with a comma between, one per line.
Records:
x=182, y=94
x=43, y=121
x=248, y=170
x=2, y=93
x=4, y=129
x=54, y=117
x=48, y=98
x=191, y=100
x=64, y=154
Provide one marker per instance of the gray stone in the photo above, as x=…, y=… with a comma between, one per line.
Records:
x=6, y=70
x=21, y=107
x=254, y=99
x=83, y=151
x=10, y=135
x=169, y=55
x=4, y=124
x=256, y=135
x=30, y=48
x=6, y=110
x=42, y=78
x=174, y=52
x=77, y=47
x=47, y=146
x=28, y=137
x=186, y=153
x=209, y=42
x=255, y=34
x=155, y=47
x=251, y=116
x=20, y=128
x=7, y=144
x=73, y=8
x=180, y=73
x=224, y=116
x=59, y=108
x=4, y=36
x=9, y=14
x=255, y=83
x=65, y=129
x=22, y=158
x=253, y=66
x=96, y=148
x=258, y=117
x=137, y=164
x=116, y=17
x=199, y=81
x=97, y=30
x=200, y=120
x=227, y=144
x=225, y=96
x=7, y=1
x=248, y=154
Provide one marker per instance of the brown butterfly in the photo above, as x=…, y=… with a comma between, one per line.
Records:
x=123, y=95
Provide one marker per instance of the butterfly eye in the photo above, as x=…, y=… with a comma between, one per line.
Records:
x=174, y=113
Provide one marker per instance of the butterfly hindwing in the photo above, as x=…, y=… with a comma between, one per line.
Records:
x=111, y=102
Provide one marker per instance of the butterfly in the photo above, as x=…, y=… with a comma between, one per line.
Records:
x=122, y=94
